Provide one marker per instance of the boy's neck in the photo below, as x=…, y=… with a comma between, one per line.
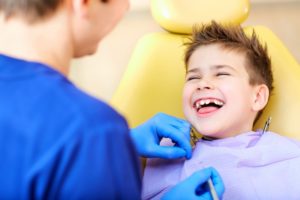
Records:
x=47, y=42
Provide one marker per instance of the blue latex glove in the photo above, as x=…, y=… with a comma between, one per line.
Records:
x=147, y=137
x=196, y=187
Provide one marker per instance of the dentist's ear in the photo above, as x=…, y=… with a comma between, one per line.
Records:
x=261, y=97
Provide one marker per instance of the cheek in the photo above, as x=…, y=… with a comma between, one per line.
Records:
x=233, y=88
x=187, y=94
x=186, y=100
x=237, y=95
x=118, y=12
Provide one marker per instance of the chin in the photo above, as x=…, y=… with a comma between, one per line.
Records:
x=214, y=136
x=211, y=133
x=88, y=52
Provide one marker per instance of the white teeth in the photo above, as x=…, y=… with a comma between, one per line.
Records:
x=219, y=103
x=198, y=105
x=202, y=102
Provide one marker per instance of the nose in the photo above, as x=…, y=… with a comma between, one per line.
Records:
x=205, y=84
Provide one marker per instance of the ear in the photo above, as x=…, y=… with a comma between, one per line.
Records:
x=261, y=97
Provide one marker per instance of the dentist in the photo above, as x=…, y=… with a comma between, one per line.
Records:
x=57, y=142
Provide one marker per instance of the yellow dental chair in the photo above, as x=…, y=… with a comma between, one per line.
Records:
x=154, y=78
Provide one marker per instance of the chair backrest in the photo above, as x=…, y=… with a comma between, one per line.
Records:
x=154, y=78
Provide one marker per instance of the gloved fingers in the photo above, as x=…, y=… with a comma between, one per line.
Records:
x=168, y=152
x=175, y=122
x=177, y=137
x=203, y=190
x=199, y=177
x=217, y=182
x=170, y=119
x=205, y=196
x=192, y=188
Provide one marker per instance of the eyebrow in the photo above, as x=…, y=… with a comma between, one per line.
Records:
x=194, y=70
x=213, y=67
x=223, y=66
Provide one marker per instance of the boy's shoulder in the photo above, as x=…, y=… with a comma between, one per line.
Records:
x=276, y=138
x=280, y=147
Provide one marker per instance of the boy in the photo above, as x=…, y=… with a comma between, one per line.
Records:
x=56, y=142
x=228, y=83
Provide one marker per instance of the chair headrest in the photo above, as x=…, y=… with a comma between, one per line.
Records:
x=179, y=16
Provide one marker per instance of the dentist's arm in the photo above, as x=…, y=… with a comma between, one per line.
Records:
x=147, y=137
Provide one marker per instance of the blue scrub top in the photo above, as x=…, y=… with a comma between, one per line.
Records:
x=56, y=142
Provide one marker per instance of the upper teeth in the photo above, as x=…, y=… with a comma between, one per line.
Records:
x=208, y=101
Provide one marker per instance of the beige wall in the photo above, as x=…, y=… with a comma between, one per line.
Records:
x=100, y=74
x=283, y=19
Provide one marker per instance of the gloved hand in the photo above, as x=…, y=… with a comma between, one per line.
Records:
x=196, y=187
x=147, y=137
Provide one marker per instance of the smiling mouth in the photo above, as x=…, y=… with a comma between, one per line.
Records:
x=208, y=104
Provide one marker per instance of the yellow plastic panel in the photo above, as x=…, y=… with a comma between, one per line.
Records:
x=154, y=79
x=284, y=104
x=179, y=16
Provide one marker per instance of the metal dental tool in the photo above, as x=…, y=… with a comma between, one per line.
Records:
x=267, y=124
x=212, y=190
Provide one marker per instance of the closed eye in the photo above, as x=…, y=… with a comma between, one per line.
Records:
x=193, y=78
x=223, y=74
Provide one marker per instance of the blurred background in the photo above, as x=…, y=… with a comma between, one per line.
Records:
x=100, y=74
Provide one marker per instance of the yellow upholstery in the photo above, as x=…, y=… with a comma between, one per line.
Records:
x=154, y=80
x=284, y=104
x=179, y=16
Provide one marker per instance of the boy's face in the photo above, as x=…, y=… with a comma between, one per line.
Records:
x=217, y=98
